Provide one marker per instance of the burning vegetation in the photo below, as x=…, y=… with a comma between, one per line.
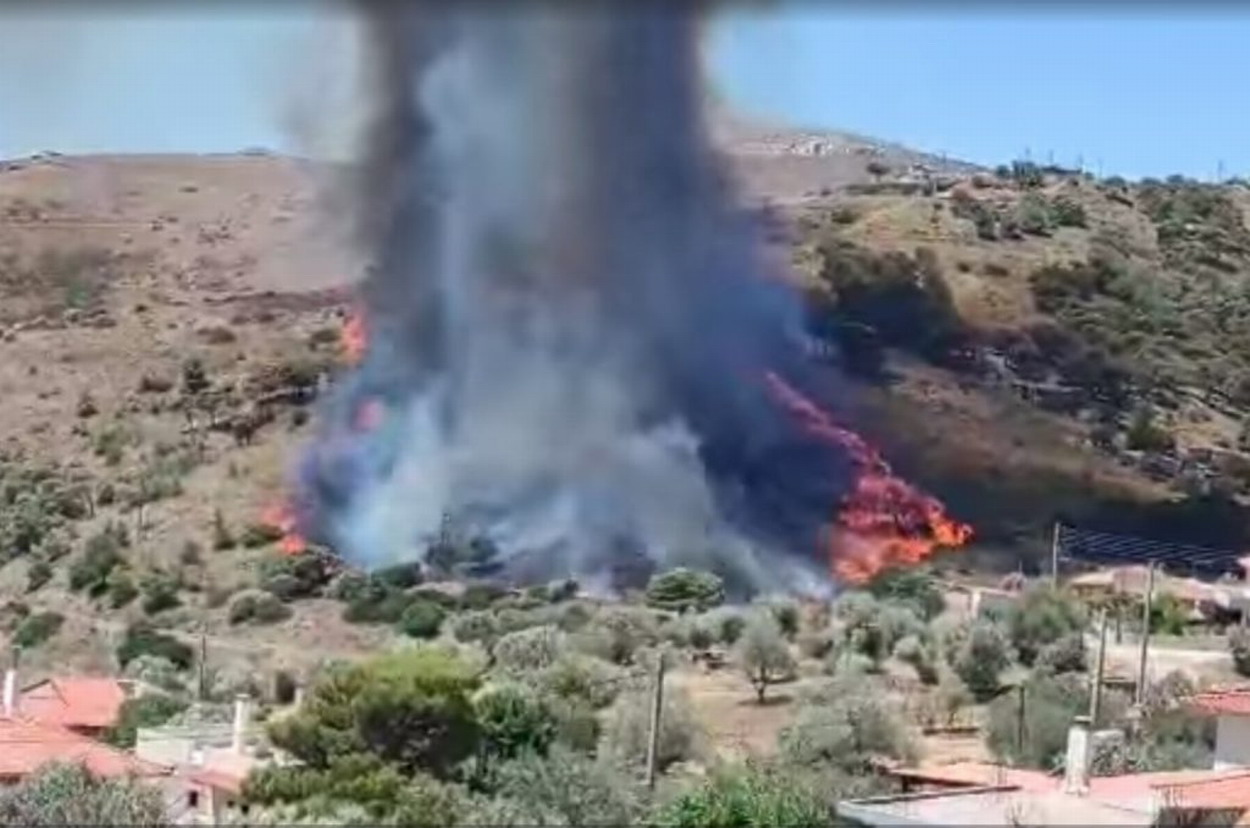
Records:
x=883, y=521
x=557, y=369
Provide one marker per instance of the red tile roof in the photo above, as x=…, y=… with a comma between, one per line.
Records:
x=980, y=774
x=1196, y=786
x=1231, y=701
x=221, y=780
x=81, y=701
x=1226, y=790
x=27, y=745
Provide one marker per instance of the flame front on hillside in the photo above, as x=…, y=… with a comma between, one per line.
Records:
x=281, y=517
x=355, y=336
x=883, y=521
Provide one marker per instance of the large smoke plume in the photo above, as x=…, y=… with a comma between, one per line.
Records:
x=570, y=333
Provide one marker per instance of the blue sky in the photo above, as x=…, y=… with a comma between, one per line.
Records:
x=1147, y=93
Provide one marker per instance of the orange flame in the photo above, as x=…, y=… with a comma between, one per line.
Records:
x=355, y=336
x=884, y=521
x=281, y=516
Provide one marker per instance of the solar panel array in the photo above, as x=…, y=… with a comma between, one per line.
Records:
x=1106, y=548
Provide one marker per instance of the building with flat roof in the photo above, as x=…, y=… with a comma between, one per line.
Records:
x=973, y=793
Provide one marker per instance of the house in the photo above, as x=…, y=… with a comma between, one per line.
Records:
x=27, y=744
x=87, y=705
x=1231, y=709
x=212, y=761
x=973, y=793
x=1202, y=601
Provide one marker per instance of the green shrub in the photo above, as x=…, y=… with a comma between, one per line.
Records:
x=481, y=596
x=625, y=735
x=222, y=537
x=59, y=794
x=1040, y=617
x=912, y=587
x=726, y=624
x=563, y=788
x=920, y=653
x=37, y=574
x=353, y=789
x=291, y=577
x=411, y=708
x=1051, y=703
x=1145, y=435
x=1067, y=213
x=528, y=650
x=579, y=678
x=144, y=639
x=36, y=629
x=847, y=727
x=194, y=376
x=160, y=593
x=103, y=552
x=679, y=590
x=121, y=589
x=753, y=795
x=377, y=604
x=786, y=614
x=616, y=633
x=1239, y=647
x=763, y=654
x=978, y=652
x=400, y=576
x=476, y=626
x=257, y=606
x=148, y=710
x=422, y=619
x=1066, y=655
x=514, y=719
x=1033, y=216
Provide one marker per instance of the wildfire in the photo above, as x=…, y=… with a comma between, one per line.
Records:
x=355, y=336
x=884, y=521
x=281, y=516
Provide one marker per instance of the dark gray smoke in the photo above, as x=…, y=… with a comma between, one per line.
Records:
x=569, y=327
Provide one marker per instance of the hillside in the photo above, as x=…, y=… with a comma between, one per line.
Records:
x=1042, y=345
x=1017, y=338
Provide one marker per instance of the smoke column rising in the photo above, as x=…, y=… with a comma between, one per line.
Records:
x=569, y=329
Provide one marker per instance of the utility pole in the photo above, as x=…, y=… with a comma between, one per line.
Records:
x=1145, y=633
x=1054, y=556
x=1095, y=696
x=201, y=690
x=657, y=702
x=1019, y=721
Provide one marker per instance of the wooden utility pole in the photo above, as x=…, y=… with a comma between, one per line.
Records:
x=1145, y=633
x=657, y=702
x=201, y=690
x=1054, y=556
x=1095, y=696
x=1019, y=721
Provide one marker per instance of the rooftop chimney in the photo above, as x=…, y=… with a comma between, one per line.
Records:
x=1076, y=766
x=242, y=712
x=10, y=686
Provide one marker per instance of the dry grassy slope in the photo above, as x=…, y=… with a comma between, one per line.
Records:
x=207, y=238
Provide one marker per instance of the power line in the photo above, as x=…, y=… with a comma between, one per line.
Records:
x=1090, y=546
